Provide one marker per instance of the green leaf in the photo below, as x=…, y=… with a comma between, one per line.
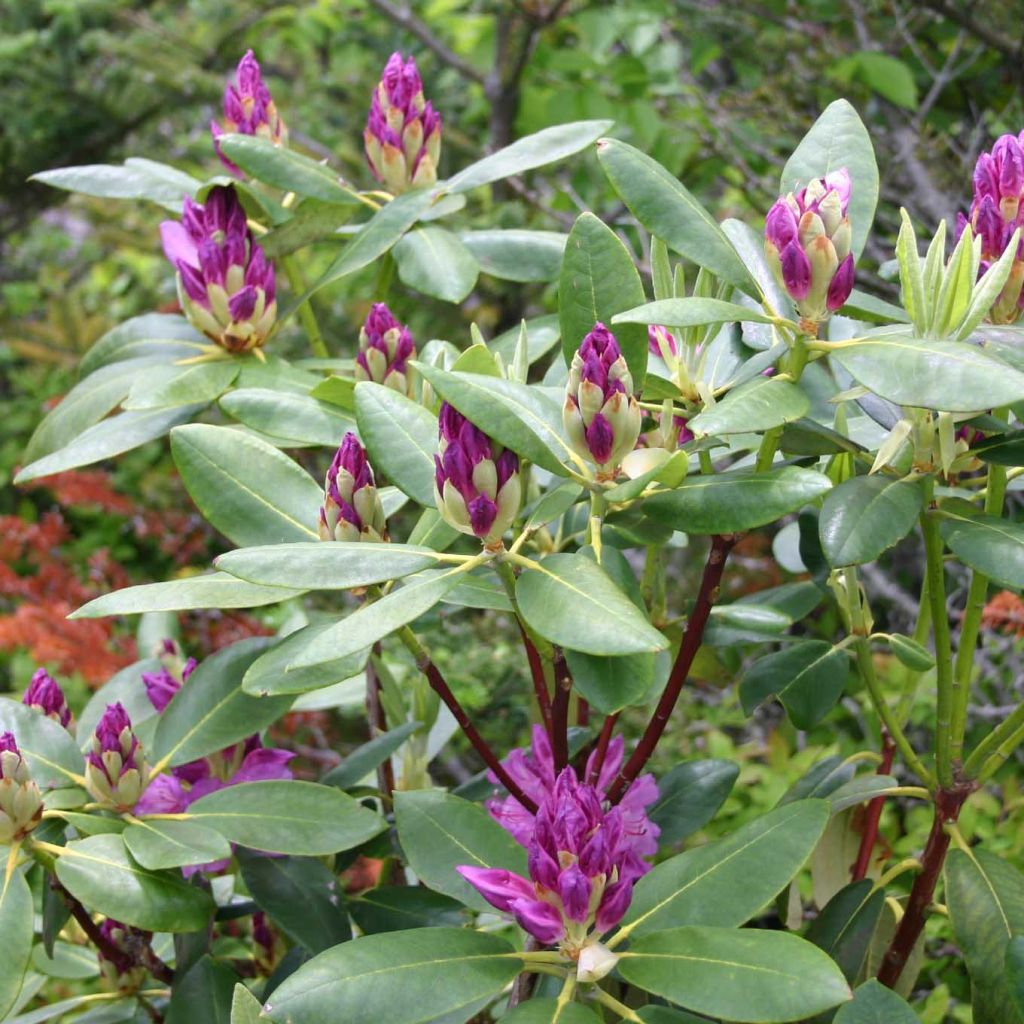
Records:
x=99, y=872
x=865, y=516
x=911, y=653
x=550, y=1011
x=985, y=896
x=298, y=418
x=401, y=438
x=753, y=975
x=112, y=436
x=338, y=565
x=268, y=675
x=375, y=238
x=157, y=336
x=244, y=487
x=52, y=755
x=63, y=1006
x=439, y=832
x=992, y=545
x=518, y=416
x=543, y=147
x=314, y=221
x=1003, y=449
x=688, y=797
x=729, y=880
x=515, y=255
x=71, y=962
x=611, y=684
x=208, y=983
x=889, y=76
x=736, y=500
x=137, y=179
x=394, y=977
x=760, y=404
x=363, y=760
x=300, y=818
x=1013, y=962
x=16, y=924
x=690, y=312
x=598, y=280
x=211, y=711
x=393, y=908
x=666, y=209
x=245, y=1007
x=541, y=336
x=286, y=169
x=302, y=896
x=171, y=386
x=212, y=590
x=173, y=844
x=749, y=245
x=807, y=677
x=846, y=924
x=571, y=601
x=873, y=1003
x=839, y=139
x=435, y=262
x=949, y=376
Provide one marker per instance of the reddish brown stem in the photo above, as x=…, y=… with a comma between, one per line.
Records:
x=948, y=803
x=582, y=712
x=540, y=686
x=440, y=687
x=721, y=545
x=560, y=713
x=873, y=815
x=378, y=724
x=601, y=750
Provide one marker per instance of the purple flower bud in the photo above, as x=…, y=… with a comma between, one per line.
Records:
x=46, y=696
x=352, y=510
x=117, y=965
x=477, y=484
x=248, y=110
x=21, y=804
x=542, y=920
x=385, y=346
x=497, y=886
x=116, y=772
x=659, y=339
x=841, y=286
x=403, y=131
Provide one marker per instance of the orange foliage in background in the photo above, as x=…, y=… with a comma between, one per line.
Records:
x=1004, y=613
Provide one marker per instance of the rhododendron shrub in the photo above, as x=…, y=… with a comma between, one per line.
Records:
x=545, y=480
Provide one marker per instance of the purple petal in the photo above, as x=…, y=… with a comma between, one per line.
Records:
x=540, y=919
x=796, y=271
x=497, y=886
x=842, y=284
x=482, y=513
x=600, y=439
x=264, y=765
x=164, y=795
x=574, y=888
x=242, y=304
x=780, y=226
x=614, y=905
x=177, y=243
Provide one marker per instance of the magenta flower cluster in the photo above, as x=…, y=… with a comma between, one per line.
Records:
x=45, y=695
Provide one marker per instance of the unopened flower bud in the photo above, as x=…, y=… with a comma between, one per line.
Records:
x=807, y=245
x=225, y=282
x=352, y=510
x=476, y=481
x=385, y=347
x=162, y=685
x=21, y=804
x=601, y=415
x=46, y=696
x=595, y=962
x=403, y=131
x=116, y=772
x=248, y=110
x=118, y=965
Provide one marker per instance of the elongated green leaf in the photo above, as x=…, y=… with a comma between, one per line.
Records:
x=542, y=334
x=53, y=758
x=268, y=674
x=245, y=1007
x=213, y=590
x=393, y=908
x=752, y=975
x=760, y=404
x=434, y=261
x=1005, y=449
x=245, y=487
x=985, y=896
x=112, y=436
x=518, y=416
x=1013, y=962
x=401, y=438
x=728, y=881
x=171, y=386
x=839, y=139
x=314, y=221
x=439, y=832
x=378, y=235
x=688, y=797
x=749, y=245
x=571, y=601
x=992, y=545
x=211, y=711
x=135, y=180
x=550, y=1011
x=873, y=1003
x=300, y=818
x=846, y=924
x=284, y=168
x=611, y=684
x=666, y=209
x=543, y=147
x=207, y=983
x=115, y=1000
x=808, y=678
x=153, y=336
x=515, y=255
x=16, y=922
x=945, y=375
x=298, y=418
x=172, y=844
x=335, y=566
x=68, y=961
x=394, y=977
x=363, y=760
x=690, y=312
x=598, y=280
x=736, y=500
x=865, y=515
x=99, y=872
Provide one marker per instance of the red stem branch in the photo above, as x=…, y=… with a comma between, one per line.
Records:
x=873, y=815
x=378, y=725
x=601, y=750
x=540, y=686
x=706, y=597
x=560, y=713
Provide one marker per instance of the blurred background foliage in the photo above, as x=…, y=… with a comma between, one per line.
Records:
x=719, y=92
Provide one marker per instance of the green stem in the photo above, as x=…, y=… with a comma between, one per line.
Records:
x=921, y=631
x=936, y=573
x=624, y=1012
x=997, y=745
x=305, y=310
x=706, y=466
x=769, y=446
